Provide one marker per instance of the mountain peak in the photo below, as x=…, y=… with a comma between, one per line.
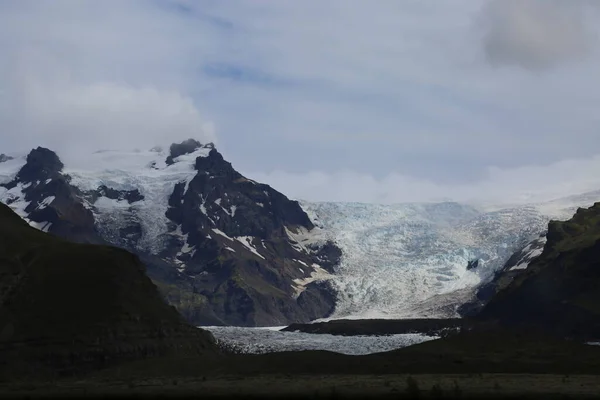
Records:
x=186, y=147
x=41, y=163
x=4, y=158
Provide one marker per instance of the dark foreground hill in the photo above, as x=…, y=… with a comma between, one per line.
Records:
x=66, y=306
x=560, y=290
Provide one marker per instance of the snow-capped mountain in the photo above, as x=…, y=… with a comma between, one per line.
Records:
x=222, y=248
x=225, y=249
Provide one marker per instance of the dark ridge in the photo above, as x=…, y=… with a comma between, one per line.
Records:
x=130, y=195
x=4, y=158
x=186, y=147
x=41, y=164
x=560, y=290
x=67, y=307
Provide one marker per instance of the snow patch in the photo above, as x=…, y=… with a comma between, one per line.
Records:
x=186, y=247
x=318, y=274
x=45, y=203
x=42, y=226
x=302, y=262
x=529, y=254
x=247, y=242
x=302, y=238
x=15, y=198
x=221, y=233
x=202, y=206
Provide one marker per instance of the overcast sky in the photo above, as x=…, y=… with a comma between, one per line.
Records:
x=353, y=100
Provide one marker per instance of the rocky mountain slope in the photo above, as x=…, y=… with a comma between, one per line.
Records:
x=559, y=292
x=223, y=249
x=70, y=306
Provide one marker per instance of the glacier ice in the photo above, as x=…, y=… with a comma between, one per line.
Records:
x=268, y=340
x=410, y=260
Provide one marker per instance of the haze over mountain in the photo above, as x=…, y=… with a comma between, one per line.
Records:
x=393, y=102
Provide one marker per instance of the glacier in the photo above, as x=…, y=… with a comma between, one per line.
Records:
x=410, y=260
x=269, y=340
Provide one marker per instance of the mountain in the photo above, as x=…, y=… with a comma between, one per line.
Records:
x=223, y=249
x=67, y=307
x=559, y=292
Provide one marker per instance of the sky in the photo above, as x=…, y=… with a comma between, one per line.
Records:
x=327, y=100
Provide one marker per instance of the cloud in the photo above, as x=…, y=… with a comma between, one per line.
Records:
x=537, y=34
x=402, y=93
x=70, y=83
x=77, y=119
x=520, y=185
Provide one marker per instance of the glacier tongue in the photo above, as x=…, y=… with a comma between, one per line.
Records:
x=410, y=260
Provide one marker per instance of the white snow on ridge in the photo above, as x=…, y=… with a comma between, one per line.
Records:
x=302, y=238
x=142, y=170
x=247, y=242
x=530, y=254
x=221, y=233
x=45, y=203
x=15, y=199
x=42, y=226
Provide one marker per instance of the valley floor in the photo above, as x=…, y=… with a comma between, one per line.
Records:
x=324, y=386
